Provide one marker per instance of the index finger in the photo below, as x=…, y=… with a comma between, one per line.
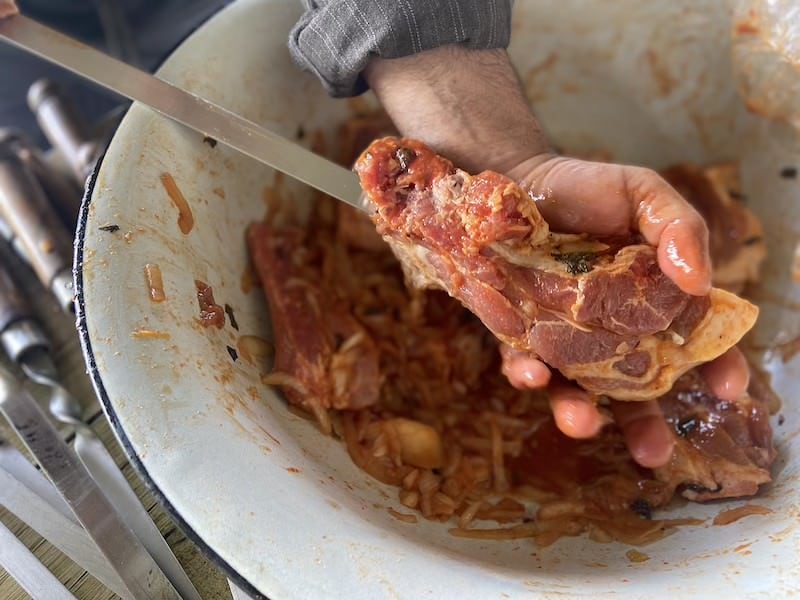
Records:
x=669, y=222
x=647, y=434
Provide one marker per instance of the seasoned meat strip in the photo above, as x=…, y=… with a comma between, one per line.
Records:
x=331, y=360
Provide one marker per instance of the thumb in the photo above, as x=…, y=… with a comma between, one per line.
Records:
x=523, y=370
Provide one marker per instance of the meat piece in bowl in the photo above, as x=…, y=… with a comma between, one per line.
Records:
x=722, y=449
x=599, y=310
x=323, y=358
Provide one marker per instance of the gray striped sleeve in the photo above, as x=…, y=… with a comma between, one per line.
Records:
x=335, y=39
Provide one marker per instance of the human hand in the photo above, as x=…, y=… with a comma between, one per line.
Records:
x=635, y=199
x=449, y=98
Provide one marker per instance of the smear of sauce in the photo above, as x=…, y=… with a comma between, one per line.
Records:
x=185, y=216
x=661, y=74
x=249, y=279
x=637, y=557
x=796, y=265
x=211, y=313
x=219, y=192
x=788, y=350
x=726, y=517
x=279, y=210
x=405, y=518
x=47, y=246
x=254, y=350
x=155, y=282
x=746, y=28
x=149, y=334
x=743, y=549
x=532, y=75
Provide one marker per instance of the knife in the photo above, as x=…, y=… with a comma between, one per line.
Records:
x=184, y=107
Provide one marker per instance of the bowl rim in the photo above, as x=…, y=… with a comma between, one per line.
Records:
x=97, y=380
x=108, y=407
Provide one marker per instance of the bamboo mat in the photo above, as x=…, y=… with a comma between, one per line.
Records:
x=209, y=581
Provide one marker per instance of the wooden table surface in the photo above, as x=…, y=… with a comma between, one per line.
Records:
x=209, y=581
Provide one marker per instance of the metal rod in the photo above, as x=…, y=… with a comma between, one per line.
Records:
x=136, y=568
x=27, y=212
x=27, y=571
x=64, y=127
x=185, y=108
x=27, y=494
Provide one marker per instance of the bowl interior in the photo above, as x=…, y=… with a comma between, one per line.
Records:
x=274, y=501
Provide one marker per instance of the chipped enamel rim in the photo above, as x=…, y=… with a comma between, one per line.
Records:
x=221, y=453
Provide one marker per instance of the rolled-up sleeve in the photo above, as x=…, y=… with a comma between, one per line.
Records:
x=335, y=39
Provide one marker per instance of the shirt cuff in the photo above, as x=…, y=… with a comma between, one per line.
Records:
x=336, y=39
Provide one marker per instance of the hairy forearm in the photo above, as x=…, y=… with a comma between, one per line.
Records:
x=467, y=104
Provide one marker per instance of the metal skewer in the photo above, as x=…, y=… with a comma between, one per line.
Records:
x=40, y=237
x=26, y=345
x=142, y=578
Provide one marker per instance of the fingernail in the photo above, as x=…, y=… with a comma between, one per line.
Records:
x=687, y=259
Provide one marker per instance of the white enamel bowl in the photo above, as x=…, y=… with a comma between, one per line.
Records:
x=648, y=82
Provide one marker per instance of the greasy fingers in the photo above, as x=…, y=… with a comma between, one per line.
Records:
x=669, y=222
x=575, y=414
x=728, y=376
x=647, y=434
x=578, y=196
x=683, y=256
x=590, y=197
x=522, y=370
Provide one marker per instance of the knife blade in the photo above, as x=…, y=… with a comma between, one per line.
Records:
x=184, y=107
x=39, y=367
